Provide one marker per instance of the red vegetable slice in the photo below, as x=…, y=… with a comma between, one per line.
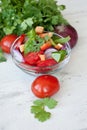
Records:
x=31, y=58
x=47, y=62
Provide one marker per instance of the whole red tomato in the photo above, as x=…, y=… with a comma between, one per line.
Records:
x=7, y=41
x=45, y=86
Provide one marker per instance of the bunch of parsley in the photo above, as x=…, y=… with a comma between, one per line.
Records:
x=19, y=16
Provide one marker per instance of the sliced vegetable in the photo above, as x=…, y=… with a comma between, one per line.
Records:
x=47, y=62
x=39, y=29
x=59, y=55
x=46, y=45
x=18, y=56
x=56, y=56
x=48, y=52
x=32, y=58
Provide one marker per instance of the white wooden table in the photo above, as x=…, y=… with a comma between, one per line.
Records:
x=15, y=86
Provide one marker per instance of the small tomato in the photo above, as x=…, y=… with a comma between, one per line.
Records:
x=7, y=41
x=45, y=86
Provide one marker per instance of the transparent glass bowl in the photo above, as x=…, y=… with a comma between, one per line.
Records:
x=39, y=70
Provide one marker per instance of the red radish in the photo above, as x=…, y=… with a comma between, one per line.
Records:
x=67, y=30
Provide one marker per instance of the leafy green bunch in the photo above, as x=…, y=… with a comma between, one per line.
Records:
x=19, y=16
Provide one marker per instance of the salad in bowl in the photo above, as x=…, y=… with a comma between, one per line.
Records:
x=40, y=52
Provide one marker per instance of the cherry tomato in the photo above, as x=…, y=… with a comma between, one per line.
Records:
x=31, y=58
x=45, y=86
x=7, y=41
x=47, y=62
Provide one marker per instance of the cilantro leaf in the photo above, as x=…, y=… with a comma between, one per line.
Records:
x=33, y=43
x=38, y=109
x=50, y=102
x=43, y=116
x=26, y=23
x=61, y=40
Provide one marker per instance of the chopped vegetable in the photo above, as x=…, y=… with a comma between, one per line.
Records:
x=47, y=62
x=39, y=29
x=41, y=51
x=59, y=55
x=46, y=45
x=39, y=111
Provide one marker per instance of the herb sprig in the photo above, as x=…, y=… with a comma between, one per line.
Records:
x=39, y=108
x=33, y=43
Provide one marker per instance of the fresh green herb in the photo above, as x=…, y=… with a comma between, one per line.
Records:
x=61, y=40
x=33, y=43
x=20, y=16
x=2, y=58
x=39, y=108
x=59, y=55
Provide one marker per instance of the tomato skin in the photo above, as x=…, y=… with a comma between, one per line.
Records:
x=31, y=58
x=45, y=86
x=47, y=62
x=7, y=41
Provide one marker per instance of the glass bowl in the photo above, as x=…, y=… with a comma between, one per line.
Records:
x=18, y=60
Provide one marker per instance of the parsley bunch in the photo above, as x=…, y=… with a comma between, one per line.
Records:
x=20, y=16
x=39, y=108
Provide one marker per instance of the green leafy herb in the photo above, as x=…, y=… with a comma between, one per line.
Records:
x=61, y=40
x=20, y=16
x=59, y=55
x=2, y=58
x=39, y=108
x=33, y=43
